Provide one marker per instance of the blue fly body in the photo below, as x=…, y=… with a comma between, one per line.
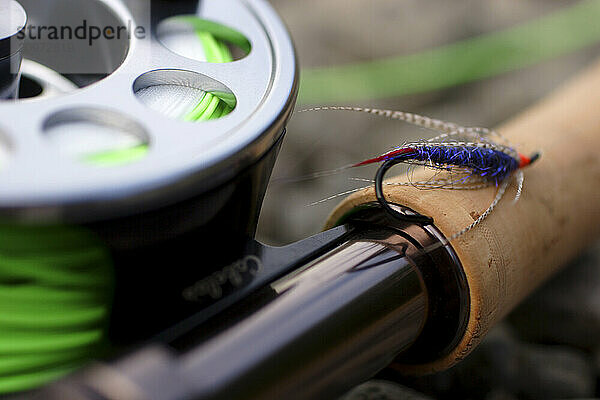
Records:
x=485, y=162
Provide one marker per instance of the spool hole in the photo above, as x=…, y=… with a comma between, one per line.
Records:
x=29, y=88
x=97, y=137
x=202, y=40
x=184, y=95
x=62, y=35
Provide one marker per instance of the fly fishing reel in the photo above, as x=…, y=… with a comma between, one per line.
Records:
x=118, y=136
x=138, y=146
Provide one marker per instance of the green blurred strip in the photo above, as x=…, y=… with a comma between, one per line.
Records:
x=19, y=317
x=118, y=157
x=559, y=33
x=33, y=362
x=27, y=381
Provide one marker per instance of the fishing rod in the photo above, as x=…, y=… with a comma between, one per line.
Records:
x=129, y=196
x=312, y=319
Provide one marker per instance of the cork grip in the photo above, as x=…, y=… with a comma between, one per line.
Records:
x=521, y=244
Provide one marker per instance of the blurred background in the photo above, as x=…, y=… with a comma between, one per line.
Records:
x=473, y=62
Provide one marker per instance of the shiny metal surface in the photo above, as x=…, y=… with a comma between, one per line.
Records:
x=331, y=324
x=12, y=22
x=374, y=291
x=38, y=182
x=319, y=330
x=447, y=286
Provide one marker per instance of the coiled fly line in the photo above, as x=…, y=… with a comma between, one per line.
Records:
x=57, y=282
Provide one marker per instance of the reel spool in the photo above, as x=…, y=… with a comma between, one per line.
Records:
x=137, y=164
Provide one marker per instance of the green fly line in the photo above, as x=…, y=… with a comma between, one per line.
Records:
x=213, y=38
x=56, y=282
x=485, y=56
x=56, y=286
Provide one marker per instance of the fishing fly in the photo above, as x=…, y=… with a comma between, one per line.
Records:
x=471, y=157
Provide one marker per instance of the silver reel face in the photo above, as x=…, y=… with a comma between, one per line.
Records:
x=45, y=140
